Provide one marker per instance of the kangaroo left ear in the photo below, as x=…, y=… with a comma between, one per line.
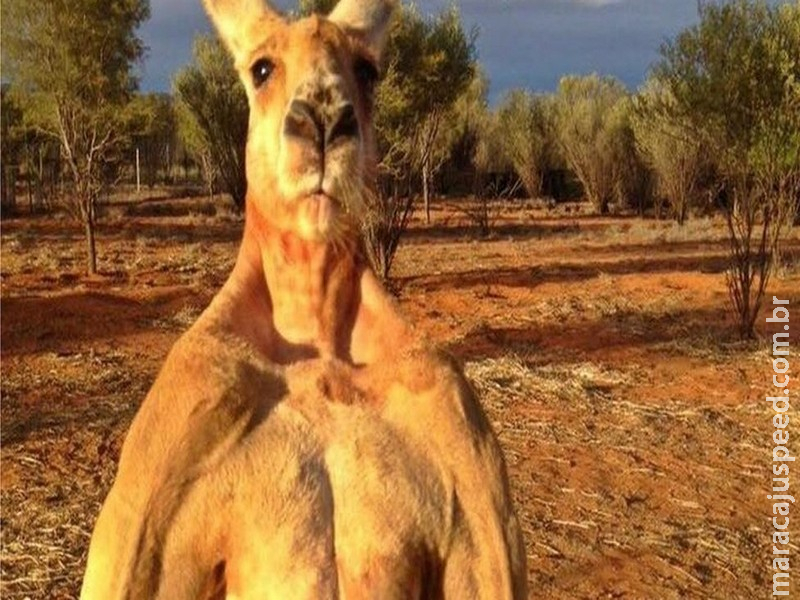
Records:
x=367, y=18
x=233, y=18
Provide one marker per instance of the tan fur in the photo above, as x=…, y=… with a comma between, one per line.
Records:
x=300, y=440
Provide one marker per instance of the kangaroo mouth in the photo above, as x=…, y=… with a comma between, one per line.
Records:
x=322, y=210
x=330, y=215
x=318, y=216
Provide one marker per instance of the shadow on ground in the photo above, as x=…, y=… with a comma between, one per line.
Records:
x=532, y=276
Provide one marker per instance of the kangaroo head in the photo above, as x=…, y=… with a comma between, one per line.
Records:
x=310, y=86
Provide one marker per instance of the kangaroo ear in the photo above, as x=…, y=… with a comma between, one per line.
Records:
x=368, y=18
x=234, y=18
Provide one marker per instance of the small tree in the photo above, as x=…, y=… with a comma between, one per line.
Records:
x=449, y=67
x=466, y=122
x=213, y=116
x=475, y=148
x=591, y=118
x=384, y=231
x=27, y=155
x=71, y=62
x=736, y=77
x=671, y=148
x=491, y=149
x=525, y=132
x=428, y=65
x=196, y=145
x=634, y=178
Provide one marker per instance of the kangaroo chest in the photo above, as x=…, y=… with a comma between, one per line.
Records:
x=349, y=503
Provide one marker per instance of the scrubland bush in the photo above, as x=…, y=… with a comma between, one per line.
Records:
x=212, y=116
x=525, y=132
x=735, y=79
x=669, y=145
x=592, y=124
x=75, y=86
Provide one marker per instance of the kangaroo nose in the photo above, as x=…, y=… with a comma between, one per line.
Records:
x=344, y=126
x=304, y=123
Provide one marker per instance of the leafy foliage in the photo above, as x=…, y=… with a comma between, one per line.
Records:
x=429, y=63
x=11, y=122
x=213, y=116
x=156, y=134
x=525, y=128
x=11, y=142
x=467, y=122
x=667, y=143
x=70, y=61
x=735, y=79
x=593, y=130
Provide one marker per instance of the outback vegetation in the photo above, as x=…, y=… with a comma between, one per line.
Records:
x=212, y=112
x=666, y=146
x=620, y=244
x=734, y=82
x=75, y=86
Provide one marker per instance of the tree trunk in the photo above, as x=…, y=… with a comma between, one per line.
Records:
x=641, y=203
x=91, y=249
x=602, y=205
x=426, y=191
x=682, y=211
x=8, y=186
x=29, y=192
x=39, y=190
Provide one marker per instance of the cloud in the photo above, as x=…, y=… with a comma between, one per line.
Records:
x=522, y=43
x=598, y=3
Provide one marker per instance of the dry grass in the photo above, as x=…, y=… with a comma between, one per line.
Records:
x=59, y=462
x=631, y=444
x=704, y=229
x=49, y=515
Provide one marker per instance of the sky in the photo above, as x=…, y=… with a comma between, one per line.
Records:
x=521, y=43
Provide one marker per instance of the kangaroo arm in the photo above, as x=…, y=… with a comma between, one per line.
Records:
x=484, y=553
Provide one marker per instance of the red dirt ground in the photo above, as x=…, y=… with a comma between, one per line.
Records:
x=633, y=422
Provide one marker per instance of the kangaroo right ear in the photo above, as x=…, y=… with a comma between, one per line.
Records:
x=234, y=18
x=368, y=18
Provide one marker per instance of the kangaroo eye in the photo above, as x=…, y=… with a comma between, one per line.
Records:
x=261, y=71
x=366, y=74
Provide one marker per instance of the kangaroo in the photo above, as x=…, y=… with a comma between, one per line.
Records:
x=301, y=439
